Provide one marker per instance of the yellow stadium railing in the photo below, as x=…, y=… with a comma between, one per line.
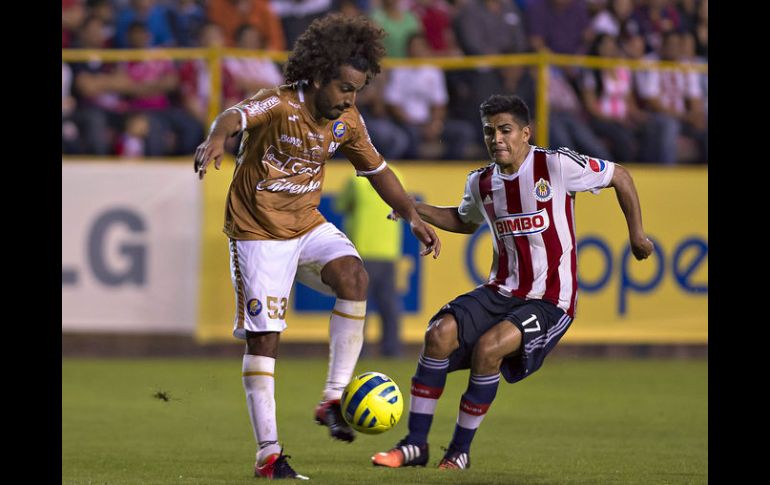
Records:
x=541, y=60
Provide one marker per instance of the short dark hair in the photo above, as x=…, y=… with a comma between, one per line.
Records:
x=242, y=30
x=331, y=42
x=506, y=103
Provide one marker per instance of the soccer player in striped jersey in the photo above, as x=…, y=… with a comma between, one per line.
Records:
x=509, y=324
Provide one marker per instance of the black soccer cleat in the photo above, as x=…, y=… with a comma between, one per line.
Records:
x=329, y=414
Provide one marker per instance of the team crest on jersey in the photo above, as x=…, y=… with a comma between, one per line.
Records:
x=543, y=191
x=522, y=224
x=597, y=164
x=338, y=129
x=254, y=307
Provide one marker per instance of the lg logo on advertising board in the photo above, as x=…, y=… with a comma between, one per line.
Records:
x=116, y=252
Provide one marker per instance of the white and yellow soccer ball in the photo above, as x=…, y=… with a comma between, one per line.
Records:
x=372, y=403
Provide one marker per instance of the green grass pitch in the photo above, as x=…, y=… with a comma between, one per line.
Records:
x=573, y=422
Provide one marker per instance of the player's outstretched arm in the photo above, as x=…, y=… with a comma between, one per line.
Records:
x=628, y=200
x=445, y=218
x=392, y=192
x=225, y=125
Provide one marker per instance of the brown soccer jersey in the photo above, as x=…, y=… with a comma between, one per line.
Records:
x=277, y=182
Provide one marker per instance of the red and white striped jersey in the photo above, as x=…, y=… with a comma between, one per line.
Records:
x=531, y=215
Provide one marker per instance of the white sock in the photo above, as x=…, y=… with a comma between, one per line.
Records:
x=346, y=337
x=259, y=384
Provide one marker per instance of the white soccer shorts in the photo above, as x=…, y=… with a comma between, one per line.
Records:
x=263, y=272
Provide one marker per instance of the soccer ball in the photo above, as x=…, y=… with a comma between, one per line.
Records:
x=372, y=403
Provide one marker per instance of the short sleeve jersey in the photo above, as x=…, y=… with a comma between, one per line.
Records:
x=531, y=216
x=276, y=186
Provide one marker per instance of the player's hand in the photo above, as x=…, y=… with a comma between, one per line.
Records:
x=428, y=237
x=212, y=148
x=642, y=247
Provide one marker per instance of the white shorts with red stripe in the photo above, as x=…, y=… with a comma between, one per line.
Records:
x=263, y=273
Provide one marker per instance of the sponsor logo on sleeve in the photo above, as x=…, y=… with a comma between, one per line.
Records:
x=522, y=224
x=597, y=164
x=255, y=108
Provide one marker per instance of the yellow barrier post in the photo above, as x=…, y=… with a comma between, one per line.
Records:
x=215, y=69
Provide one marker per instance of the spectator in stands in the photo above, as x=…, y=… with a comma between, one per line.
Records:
x=296, y=15
x=387, y=136
x=172, y=130
x=676, y=99
x=609, y=100
x=399, y=23
x=195, y=78
x=97, y=89
x=231, y=14
x=560, y=26
x=702, y=30
x=616, y=20
x=186, y=18
x=483, y=27
x=697, y=119
x=151, y=14
x=73, y=12
x=131, y=143
x=656, y=18
x=567, y=123
x=417, y=99
x=250, y=74
x=104, y=10
x=690, y=54
x=436, y=19
x=69, y=130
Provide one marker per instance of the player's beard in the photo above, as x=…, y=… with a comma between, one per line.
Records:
x=327, y=110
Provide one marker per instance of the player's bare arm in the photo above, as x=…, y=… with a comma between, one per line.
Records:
x=227, y=124
x=392, y=192
x=445, y=218
x=628, y=200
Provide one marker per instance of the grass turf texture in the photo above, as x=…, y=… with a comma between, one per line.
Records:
x=575, y=421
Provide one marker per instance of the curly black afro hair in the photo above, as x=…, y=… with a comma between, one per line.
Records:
x=331, y=42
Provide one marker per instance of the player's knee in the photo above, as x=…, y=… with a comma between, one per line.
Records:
x=262, y=343
x=348, y=279
x=441, y=337
x=355, y=282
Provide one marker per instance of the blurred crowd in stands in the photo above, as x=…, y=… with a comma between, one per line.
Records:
x=160, y=107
